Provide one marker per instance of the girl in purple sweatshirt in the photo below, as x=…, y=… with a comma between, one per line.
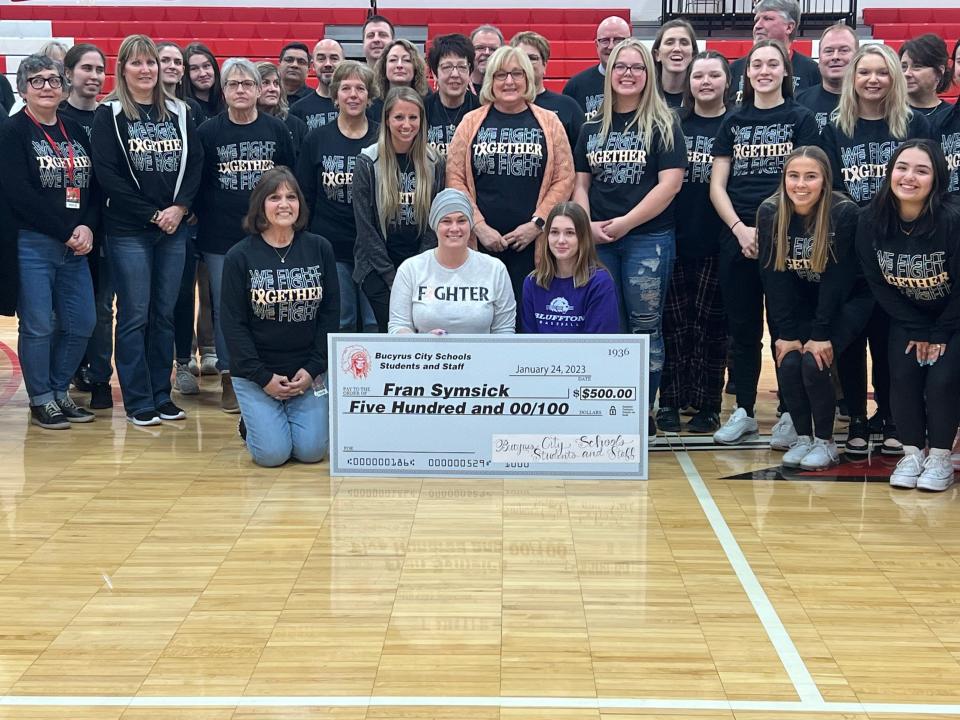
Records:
x=569, y=291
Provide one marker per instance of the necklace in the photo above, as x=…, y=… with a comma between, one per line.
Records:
x=283, y=258
x=455, y=120
x=906, y=232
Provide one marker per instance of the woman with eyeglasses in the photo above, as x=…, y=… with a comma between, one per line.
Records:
x=148, y=160
x=512, y=158
x=273, y=101
x=451, y=60
x=630, y=161
x=748, y=156
x=48, y=183
x=238, y=147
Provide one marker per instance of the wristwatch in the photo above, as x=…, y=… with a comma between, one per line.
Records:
x=539, y=222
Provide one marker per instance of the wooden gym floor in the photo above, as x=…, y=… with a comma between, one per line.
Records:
x=157, y=574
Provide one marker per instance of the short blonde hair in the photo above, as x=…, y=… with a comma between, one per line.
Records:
x=495, y=64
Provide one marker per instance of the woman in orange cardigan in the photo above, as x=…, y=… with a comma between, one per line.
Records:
x=513, y=159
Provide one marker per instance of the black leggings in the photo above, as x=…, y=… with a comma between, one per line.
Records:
x=924, y=398
x=742, y=294
x=377, y=292
x=808, y=391
x=852, y=367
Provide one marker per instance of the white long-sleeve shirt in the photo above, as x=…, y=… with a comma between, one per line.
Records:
x=476, y=297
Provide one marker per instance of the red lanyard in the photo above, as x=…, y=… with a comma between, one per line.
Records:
x=55, y=146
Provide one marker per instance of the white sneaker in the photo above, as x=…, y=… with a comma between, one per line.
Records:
x=797, y=452
x=783, y=435
x=736, y=429
x=937, y=473
x=908, y=470
x=822, y=455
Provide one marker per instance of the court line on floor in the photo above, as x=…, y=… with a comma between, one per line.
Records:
x=796, y=669
x=329, y=701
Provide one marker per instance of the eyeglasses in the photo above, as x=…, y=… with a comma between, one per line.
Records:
x=515, y=75
x=461, y=68
x=234, y=85
x=37, y=82
x=623, y=68
x=609, y=42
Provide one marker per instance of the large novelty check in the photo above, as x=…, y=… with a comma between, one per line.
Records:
x=489, y=405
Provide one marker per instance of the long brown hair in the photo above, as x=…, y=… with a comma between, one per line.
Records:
x=786, y=86
x=587, y=261
x=818, y=221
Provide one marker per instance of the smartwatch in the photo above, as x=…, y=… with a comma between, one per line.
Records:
x=539, y=222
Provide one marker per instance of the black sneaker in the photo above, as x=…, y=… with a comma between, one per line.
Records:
x=101, y=396
x=668, y=419
x=242, y=430
x=169, y=411
x=74, y=413
x=858, y=437
x=144, y=418
x=80, y=380
x=49, y=417
x=705, y=421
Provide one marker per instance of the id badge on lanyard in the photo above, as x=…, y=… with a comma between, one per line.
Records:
x=73, y=198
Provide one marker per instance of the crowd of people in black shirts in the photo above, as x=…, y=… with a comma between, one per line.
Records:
x=665, y=192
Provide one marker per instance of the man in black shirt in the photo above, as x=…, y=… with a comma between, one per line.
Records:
x=317, y=108
x=777, y=20
x=537, y=49
x=838, y=45
x=294, y=64
x=586, y=87
x=486, y=40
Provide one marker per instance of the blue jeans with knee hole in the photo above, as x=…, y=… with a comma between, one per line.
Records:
x=640, y=265
x=57, y=316
x=146, y=273
x=278, y=430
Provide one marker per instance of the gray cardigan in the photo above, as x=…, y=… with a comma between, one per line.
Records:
x=370, y=251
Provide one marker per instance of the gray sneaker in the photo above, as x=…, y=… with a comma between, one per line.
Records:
x=184, y=382
x=797, y=452
x=783, y=435
x=738, y=428
x=822, y=455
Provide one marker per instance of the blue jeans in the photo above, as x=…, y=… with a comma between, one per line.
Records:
x=278, y=430
x=100, y=347
x=352, y=297
x=146, y=274
x=640, y=265
x=55, y=307
x=214, y=263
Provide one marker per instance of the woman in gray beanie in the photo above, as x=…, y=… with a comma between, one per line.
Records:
x=452, y=289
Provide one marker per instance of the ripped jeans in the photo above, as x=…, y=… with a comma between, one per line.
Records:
x=640, y=265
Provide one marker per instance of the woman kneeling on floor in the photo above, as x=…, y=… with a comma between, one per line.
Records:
x=817, y=305
x=279, y=299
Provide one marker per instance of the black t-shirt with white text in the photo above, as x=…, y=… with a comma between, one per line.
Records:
x=403, y=234
x=568, y=112
x=234, y=158
x=821, y=103
x=509, y=157
x=35, y=176
x=758, y=142
x=624, y=168
x=697, y=223
x=325, y=173
x=442, y=121
x=859, y=163
x=315, y=111
x=586, y=87
x=949, y=137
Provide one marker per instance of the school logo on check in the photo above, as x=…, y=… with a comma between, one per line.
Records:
x=355, y=360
